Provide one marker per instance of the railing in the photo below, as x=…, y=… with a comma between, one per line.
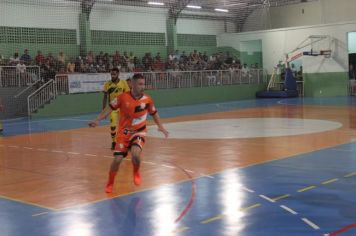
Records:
x=10, y=76
x=187, y=79
x=41, y=96
x=62, y=84
x=34, y=85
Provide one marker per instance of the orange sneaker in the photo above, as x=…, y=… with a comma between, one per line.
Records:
x=109, y=188
x=137, y=178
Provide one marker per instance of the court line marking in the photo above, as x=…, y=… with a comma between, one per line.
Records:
x=306, y=188
x=171, y=167
x=251, y=207
x=39, y=214
x=281, y=197
x=27, y=203
x=343, y=230
x=289, y=209
x=330, y=181
x=192, y=196
x=181, y=230
x=218, y=217
x=349, y=175
x=311, y=224
x=267, y=198
x=90, y=155
x=247, y=189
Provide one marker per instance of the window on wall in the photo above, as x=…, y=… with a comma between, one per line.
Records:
x=100, y=37
x=351, y=37
x=37, y=35
x=196, y=40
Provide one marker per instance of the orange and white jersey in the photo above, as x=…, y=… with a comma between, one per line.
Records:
x=133, y=111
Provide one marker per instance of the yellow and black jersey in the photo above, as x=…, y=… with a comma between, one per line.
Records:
x=113, y=89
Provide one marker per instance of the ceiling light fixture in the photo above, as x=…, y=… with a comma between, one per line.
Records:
x=156, y=3
x=221, y=10
x=194, y=7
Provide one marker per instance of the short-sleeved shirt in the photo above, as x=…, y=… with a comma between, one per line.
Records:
x=133, y=111
x=114, y=89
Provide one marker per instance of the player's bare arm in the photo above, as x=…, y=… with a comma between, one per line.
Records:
x=157, y=120
x=100, y=117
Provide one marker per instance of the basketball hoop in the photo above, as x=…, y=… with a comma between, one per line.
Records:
x=325, y=53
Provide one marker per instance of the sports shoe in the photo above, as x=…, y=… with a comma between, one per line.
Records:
x=109, y=188
x=113, y=144
x=137, y=178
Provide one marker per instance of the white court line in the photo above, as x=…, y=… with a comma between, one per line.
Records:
x=90, y=155
x=74, y=153
x=42, y=149
x=12, y=146
x=343, y=150
x=190, y=171
x=56, y=151
x=247, y=189
x=267, y=198
x=311, y=224
x=29, y=148
x=148, y=162
x=109, y=157
x=207, y=176
x=288, y=209
x=172, y=167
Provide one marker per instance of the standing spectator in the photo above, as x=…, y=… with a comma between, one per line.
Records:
x=39, y=58
x=2, y=59
x=26, y=57
x=61, y=58
x=21, y=71
x=15, y=59
x=351, y=72
x=300, y=74
x=71, y=66
x=1, y=110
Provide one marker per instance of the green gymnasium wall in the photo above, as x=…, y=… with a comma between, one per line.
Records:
x=47, y=40
x=253, y=58
x=325, y=84
x=91, y=102
x=137, y=42
x=201, y=43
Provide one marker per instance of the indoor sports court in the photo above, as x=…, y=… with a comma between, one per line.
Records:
x=257, y=96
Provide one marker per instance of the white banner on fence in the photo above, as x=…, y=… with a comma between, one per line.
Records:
x=86, y=83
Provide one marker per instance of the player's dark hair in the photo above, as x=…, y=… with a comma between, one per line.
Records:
x=115, y=69
x=137, y=76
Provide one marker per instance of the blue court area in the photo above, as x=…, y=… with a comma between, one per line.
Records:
x=307, y=194
x=246, y=201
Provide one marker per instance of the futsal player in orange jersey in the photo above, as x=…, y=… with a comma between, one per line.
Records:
x=134, y=107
